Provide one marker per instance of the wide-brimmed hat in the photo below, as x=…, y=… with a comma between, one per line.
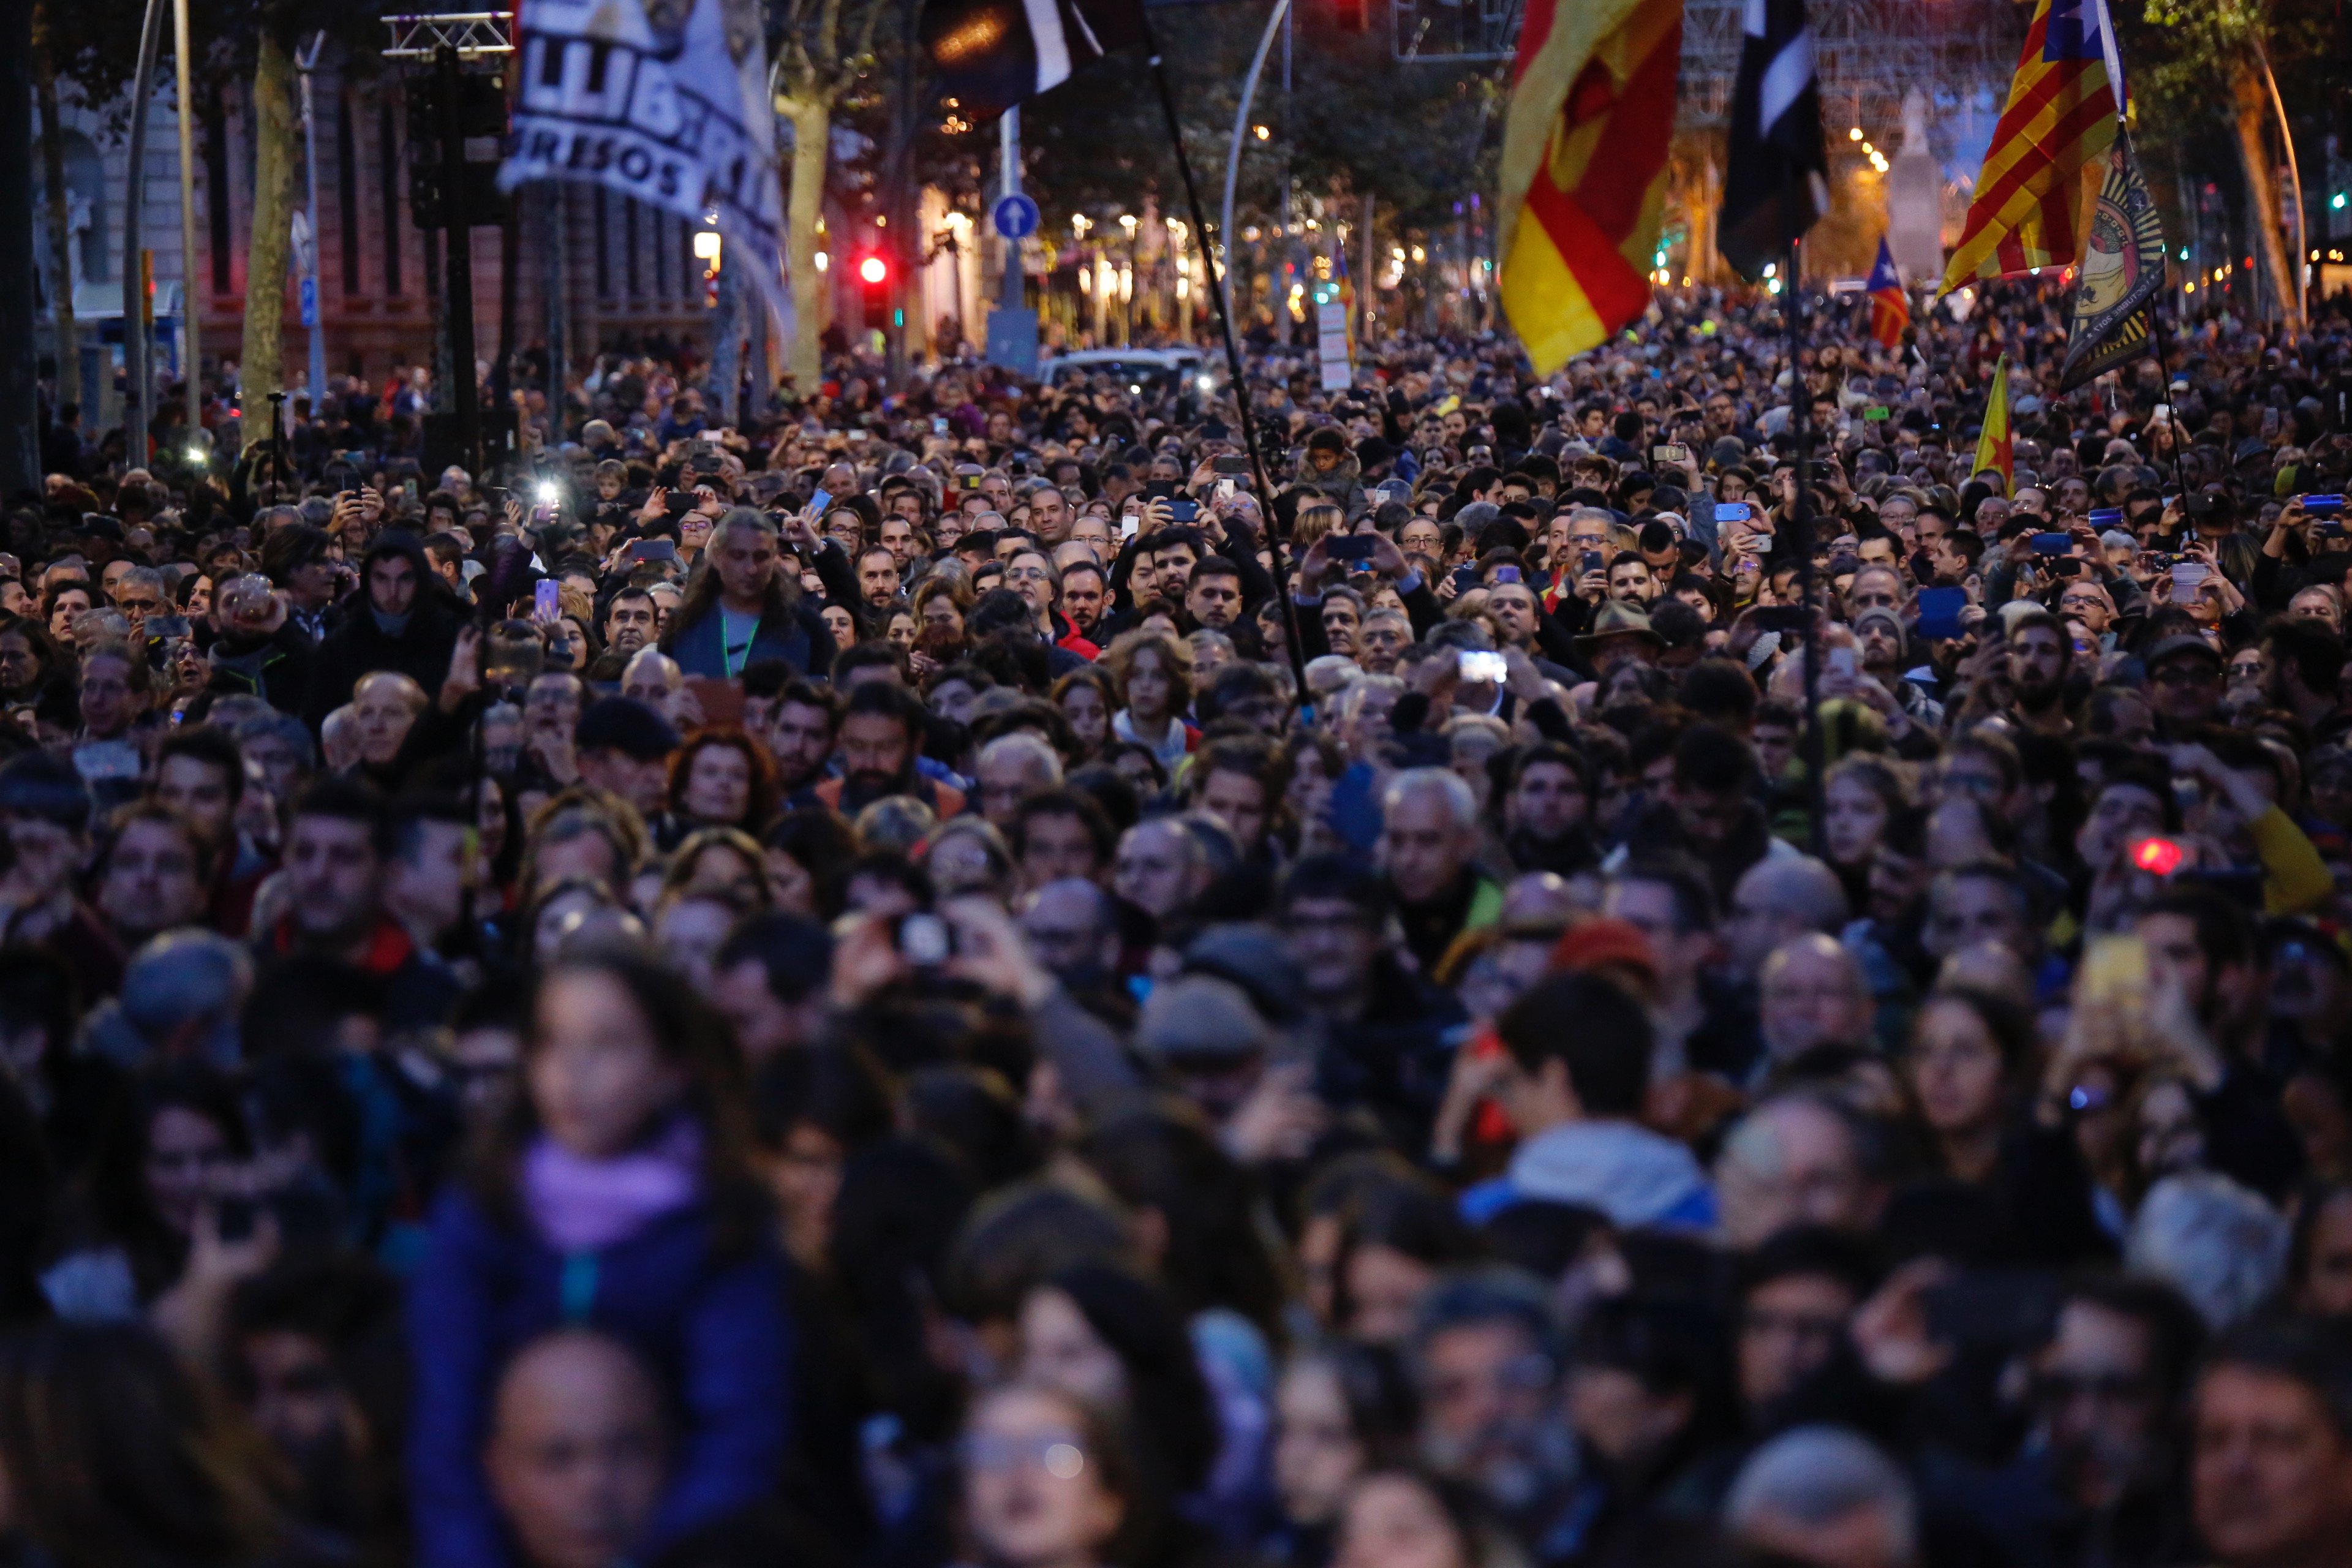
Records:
x=1619, y=619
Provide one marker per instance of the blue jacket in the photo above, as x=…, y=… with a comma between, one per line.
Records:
x=799, y=639
x=716, y=1335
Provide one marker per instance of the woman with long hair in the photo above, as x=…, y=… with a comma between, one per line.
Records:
x=1860, y=796
x=30, y=661
x=114, y=1456
x=1087, y=697
x=616, y=1195
x=1341, y=1411
x=720, y=778
x=1155, y=672
x=1970, y=1073
x=152, y=1183
x=1102, y=1334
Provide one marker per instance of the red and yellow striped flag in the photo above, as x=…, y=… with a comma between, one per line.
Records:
x=1584, y=169
x=2059, y=120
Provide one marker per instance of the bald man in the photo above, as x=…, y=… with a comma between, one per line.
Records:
x=384, y=706
x=1778, y=899
x=1813, y=994
x=576, y=1451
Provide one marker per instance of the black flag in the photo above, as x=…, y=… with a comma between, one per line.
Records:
x=992, y=53
x=1776, y=183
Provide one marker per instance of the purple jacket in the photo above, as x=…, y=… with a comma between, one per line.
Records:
x=716, y=1333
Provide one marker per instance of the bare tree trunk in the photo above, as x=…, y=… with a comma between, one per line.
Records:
x=812, y=118
x=260, y=362
x=2252, y=102
x=53, y=173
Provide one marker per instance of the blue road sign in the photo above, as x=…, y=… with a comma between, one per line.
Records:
x=1015, y=217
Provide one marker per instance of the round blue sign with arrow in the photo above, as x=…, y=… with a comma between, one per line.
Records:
x=1015, y=217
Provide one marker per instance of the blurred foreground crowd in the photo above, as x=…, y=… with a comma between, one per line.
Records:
x=990, y=976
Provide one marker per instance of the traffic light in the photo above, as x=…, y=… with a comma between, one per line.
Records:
x=873, y=287
x=1352, y=15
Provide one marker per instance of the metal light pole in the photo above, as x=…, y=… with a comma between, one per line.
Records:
x=313, y=311
x=456, y=223
x=1233, y=156
x=20, y=456
x=138, y=375
x=192, y=363
x=1009, y=178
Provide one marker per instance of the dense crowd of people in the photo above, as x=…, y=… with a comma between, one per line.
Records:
x=987, y=975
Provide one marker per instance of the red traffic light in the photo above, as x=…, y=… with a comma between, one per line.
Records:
x=2160, y=856
x=874, y=269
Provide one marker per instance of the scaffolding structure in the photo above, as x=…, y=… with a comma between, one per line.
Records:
x=469, y=33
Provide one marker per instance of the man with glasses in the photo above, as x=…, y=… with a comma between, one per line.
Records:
x=2102, y=1448
x=2091, y=604
x=1798, y=1293
x=138, y=594
x=1383, y=1041
x=1812, y=993
x=1482, y=1345
x=2184, y=680
x=1573, y=536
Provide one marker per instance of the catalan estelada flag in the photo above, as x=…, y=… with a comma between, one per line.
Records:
x=1992, y=442
x=1890, y=307
x=1584, y=169
x=2060, y=119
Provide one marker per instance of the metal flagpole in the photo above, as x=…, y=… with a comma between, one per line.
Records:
x=1801, y=536
x=2111, y=56
x=192, y=363
x=1232, y=356
x=314, y=307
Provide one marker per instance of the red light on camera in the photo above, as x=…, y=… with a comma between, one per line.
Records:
x=2160, y=856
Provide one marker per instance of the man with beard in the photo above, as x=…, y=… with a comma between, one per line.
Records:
x=799, y=728
x=1879, y=632
x=2303, y=660
x=1544, y=812
x=2038, y=654
x=337, y=862
x=881, y=728
x=1484, y=1347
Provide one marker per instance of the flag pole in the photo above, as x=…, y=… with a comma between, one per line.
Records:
x=1800, y=534
x=2111, y=56
x=1232, y=356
